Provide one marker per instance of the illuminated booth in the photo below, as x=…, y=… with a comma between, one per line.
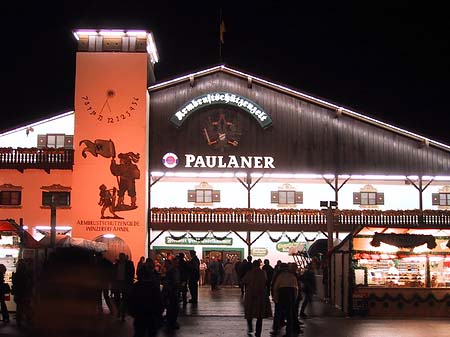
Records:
x=399, y=271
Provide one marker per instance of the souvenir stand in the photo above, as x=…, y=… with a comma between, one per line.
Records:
x=392, y=271
x=15, y=244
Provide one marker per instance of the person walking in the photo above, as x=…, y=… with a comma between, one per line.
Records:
x=308, y=281
x=256, y=299
x=285, y=292
x=145, y=305
x=194, y=277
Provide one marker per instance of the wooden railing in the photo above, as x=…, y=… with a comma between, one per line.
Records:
x=34, y=158
x=269, y=217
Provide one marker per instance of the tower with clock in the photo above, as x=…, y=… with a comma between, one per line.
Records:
x=113, y=70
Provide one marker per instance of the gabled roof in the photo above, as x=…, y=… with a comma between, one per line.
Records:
x=340, y=110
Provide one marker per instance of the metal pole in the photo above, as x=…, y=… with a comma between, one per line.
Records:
x=53, y=225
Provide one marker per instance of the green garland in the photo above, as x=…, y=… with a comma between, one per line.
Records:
x=198, y=239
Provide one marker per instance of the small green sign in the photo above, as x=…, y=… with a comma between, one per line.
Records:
x=283, y=246
x=260, y=252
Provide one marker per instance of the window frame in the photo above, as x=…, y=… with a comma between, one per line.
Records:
x=369, y=194
x=10, y=193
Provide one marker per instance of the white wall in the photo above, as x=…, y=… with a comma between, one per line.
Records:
x=397, y=196
x=63, y=124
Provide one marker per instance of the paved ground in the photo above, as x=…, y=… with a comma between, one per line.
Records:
x=220, y=313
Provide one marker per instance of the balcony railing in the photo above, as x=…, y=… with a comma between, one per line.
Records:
x=290, y=219
x=34, y=158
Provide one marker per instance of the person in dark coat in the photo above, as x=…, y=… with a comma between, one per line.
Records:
x=145, y=305
x=285, y=292
x=185, y=273
x=124, y=278
x=170, y=292
x=308, y=287
x=213, y=268
x=22, y=289
x=194, y=277
x=4, y=290
x=269, y=273
x=106, y=275
x=256, y=299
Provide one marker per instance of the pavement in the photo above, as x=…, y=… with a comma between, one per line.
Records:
x=221, y=313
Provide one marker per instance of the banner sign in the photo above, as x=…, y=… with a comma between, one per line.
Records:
x=243, y=103
x=200, y=241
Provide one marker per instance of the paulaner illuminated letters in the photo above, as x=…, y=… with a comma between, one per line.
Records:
x=229, y=161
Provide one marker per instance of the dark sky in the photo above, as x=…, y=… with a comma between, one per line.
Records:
x=388, y=60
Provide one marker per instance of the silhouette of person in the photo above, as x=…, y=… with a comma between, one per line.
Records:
x=127, y=172
x=107, y=198
x=145, y=305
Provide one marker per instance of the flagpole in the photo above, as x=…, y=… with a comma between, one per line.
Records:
x=220, y=35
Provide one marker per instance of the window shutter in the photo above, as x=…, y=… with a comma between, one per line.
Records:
x=274, y=197
x=191, y=196
x=216, y=196
x=68, y=142
x=299, y=197
x=356, y=198
x=41, y=141
x=435, y=200
x=380, y=198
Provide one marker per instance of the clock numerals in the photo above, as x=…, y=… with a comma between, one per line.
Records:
x=107, y=113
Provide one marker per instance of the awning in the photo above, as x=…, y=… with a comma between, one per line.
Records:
x=27, y=239
x=68, y=241
x=319, y=247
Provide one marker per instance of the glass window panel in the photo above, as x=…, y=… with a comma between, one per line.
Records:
x=291, y=197
x=364, y=198
x=282, y=197
x=442, y=199
x=199, y=196
x=372, y=198
x=59, y=141
x=208, y=196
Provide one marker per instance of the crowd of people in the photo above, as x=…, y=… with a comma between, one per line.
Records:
x=75, y=287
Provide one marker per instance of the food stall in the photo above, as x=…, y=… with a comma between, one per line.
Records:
x=15, y=244
x=379, y=271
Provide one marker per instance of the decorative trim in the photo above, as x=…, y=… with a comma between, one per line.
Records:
x=56, y=187
x=10, y=187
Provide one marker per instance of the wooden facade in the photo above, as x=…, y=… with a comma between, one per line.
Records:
x=305, y=137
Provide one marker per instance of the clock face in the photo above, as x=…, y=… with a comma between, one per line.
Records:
x=109, y=111
x=221, y=130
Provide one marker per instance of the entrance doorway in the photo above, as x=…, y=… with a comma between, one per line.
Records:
x=223, y=254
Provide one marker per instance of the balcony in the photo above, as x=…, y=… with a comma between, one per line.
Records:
x=33, y=158
x=243, y=219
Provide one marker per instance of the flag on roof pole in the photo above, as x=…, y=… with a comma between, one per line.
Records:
x=222, y=31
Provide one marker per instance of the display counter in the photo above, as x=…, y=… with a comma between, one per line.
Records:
x=401, y=272
x=393, y=272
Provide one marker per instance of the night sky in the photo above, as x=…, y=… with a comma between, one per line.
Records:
x=388, y=60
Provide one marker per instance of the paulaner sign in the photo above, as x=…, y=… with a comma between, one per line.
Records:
x=245, y=104
x=229, y=161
